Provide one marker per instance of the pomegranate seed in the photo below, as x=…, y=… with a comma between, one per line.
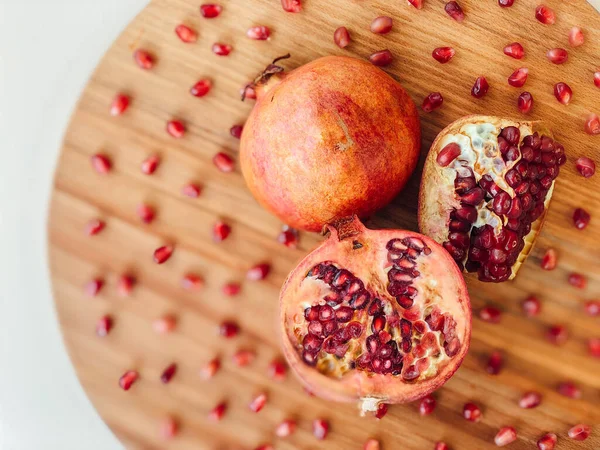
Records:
x=217, y=412
x=164, y=325
x=119, y=105
x=210, y=369
x=472, y=412
x=443, y=54
x=162, y=254
x=569, y=389
x=480, y=88
x=93, y=287
x=505, y=436
x=224, y=162
x=597, y=79
x=563, y=93
x=201, y=88
x=372, y=444
x=191, y=190
x=557, y=55
x=127, y=379
x=285, y=428
x=277, y=370
x=576, y=37
x=288, y=237
x=143, y=59
x=594, y=347
x=175, y=128
x=125, y=285
x=441, y=446
x=229, y=329
x=259, y=33
x=236, y=131
x=242, y=358
x=530, y=400
x=94, y=226
x=101, y=163
x=192, y=282
x=519, y=77
x=210, y=10
x=448, y=154
x=381, y=58
x=258, y=402
x=557, y=334
x=168, y=373
x=150, y=164
x=292, y=6
x=592, y=308
x=579, y=432
x=506, y=3
x=427, y=405
x=248, y=92
x=341, y=37
x=547, y=442
x=592, y=124
x=258, y=272
x=432, y=101
x=549, y=259
x=416, y=3
x=455, y=11
x=577, y=280
x=145, y=213
x=220, y=231
x=382, y=25
x=231, y=289
x=531, y=306
x=525, y=102
x=494, y=363
x=186, y=34
x=545, y=15
x=104, y=325
x=168, y=428
x=382, y=410
x=221, y=49
x=514, y=50
x=490, y=314
x=581, y=218
x=320, y=428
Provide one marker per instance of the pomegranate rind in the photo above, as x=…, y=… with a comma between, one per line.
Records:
x=370, y=389
x=437, y=201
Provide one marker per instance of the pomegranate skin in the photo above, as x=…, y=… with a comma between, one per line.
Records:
x=333, y=138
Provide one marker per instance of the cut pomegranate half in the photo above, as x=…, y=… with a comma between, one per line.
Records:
x=486, y=186
x=375, y=316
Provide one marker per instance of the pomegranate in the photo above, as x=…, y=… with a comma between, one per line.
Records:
x=375, y=316
x=486, y=185
x=350, y=147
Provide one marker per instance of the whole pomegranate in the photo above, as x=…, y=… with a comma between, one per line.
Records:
x=375, y=316
x=486, y=186
x=335, y=137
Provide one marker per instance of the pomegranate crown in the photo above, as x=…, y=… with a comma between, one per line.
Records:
x=264, y=76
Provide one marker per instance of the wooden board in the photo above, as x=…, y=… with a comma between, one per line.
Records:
x=126, y=245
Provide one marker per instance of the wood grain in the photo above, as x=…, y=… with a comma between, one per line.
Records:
x=126, y=245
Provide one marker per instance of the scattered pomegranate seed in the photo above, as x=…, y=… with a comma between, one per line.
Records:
x=594, y=347
x=427, y=405
x=545, y=15
x=210, y=10
x=191, y=190
x=531, y=306
x=530, y=400
x=94, y=226
x=220, y=231
x=93, y=287
x=258, y=402
x=455, y=11
x=146, y=213
x=259, y=33
x=231, y=289
x=557, y=334
x=341, y=37
x=443, y=54
x=416, y=3
x=592, y=308
x=223, y=162
x=519, y=77
x=432, y=101
x=217, y=412
x=506, y=3
x=557, y=55
x=577, y=280
x=192, y=282
x=150, y=164
x=168, y=373
x=563, y=93
x=242, y=358
x=162, y=254
x=221, y=49
x=441, y=446
x=569, y=389
x=597, y=79
x=258, y=272
x=472, y=412
x=480, y=88
x=579, y=432
x=525, y=102
x=381, y=58
x=576, y=37
x=581, y=218
x=236, y=131
x=248, y=92
x=125, y=285
x=201, y=88
x=175, y=128
x=265, y=447
x=494, y=363
x=514, y=50
x=168, y=428
x=547, y=442
x=285, y=428
x=164, y=325
x=292, y=6
x=101, y=163
x=490, y=314
x=127, y=379
x=382, y=410
x=210, y=369
x=277, y=370
x=104, y=325
x=119, y=105
x=186, y=34
x=288, y=237
x=372, y=444
x=505, y=436
x=229, y=329
x=143, y=59
x=320, y=428
x=592, y=124
x=382, y=25
x=549, y=259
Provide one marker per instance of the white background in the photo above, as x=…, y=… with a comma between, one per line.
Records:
x=48, y=49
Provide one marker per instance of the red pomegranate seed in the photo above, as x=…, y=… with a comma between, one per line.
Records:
x=592, y=308
x=569, y=389
x=557, y=334
x=525, y=102
x=519, y=77
x=258, y=402
x=288, y=237
x=490, y=314
x=549, y=259
x=217, y=412
x=259, y=33
x=150, y=164
x=530, y=400
x=427, y=405
x=441, y=446
x=581, y=218
x=242, y=358
x=292, y=6
x=579, y=432
x=127, y=379
x=472, y=412
x=175, y=128
x=455, y=11
x=162, y=254
x=381, y=58
x=432, y=101
x=448, y=154
x=258, y=272
x=125, y=285
x=191, y=190
x=168, y=373
x=577, y=280
x=506, y=3
x=372, y=444
x=557, y=55
x=443, y=54
x=168, y=428
x=236, y=131
x=277, y=370
x=229, y=329
x=210, y=369
x=563, y=93
x=545, y=15
x=164, y=325
x=341, y=37
x=210, y=10
x=320, y=428
x=221, y=231
x=119, y=105
x=186, y=34
x=221, y=49
x=594, y=347
x=592, y=124
x=547, y=442
x=224, y=162
x=231, y=289
x=104, y=325
x=143, y=59
x=285, y=428
x=531, y=306
x=514, y=50
x=192, y=282
x=494, y=363
x=145, y=213
x=597, y=79
x=382, y=25
x=93, y=287
x=94, y=226
x=201, y=88
x=576, y=37
x=101, y=163
x=381, y=411
x=505, y=436
x=248, y=92
x=480, y=88
x=265, y=447
x=416, y=3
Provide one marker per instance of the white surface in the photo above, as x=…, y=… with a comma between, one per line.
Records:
x=47, y=51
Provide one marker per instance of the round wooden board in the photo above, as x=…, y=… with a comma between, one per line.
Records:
x=126, y=245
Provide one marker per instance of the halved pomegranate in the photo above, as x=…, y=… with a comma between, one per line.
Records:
x=375, y=316
x=486, y=185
